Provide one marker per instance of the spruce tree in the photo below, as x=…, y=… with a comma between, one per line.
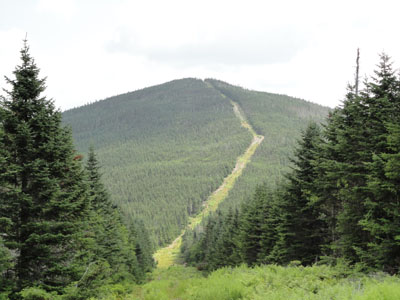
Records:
x=228, y=246
x=43, y=196
x=382, y=209
x=353, y=181
x=251, y=224
x=126, y=249
x=341, y=174
x=342, y=197
x=144, y=248
x=113, y=248
x=325, y=195
x=271, y=217
x=298, y=226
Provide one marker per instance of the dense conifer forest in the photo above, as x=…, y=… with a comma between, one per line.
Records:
x=279, y=119
x=165, y=149
x=339, y=203
x=59, y=231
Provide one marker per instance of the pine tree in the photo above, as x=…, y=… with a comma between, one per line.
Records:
x=325, y=195
x=212, y=235
x=125, y=249
x=340, y=177
x=297, y=227
x=43, y=196
x=144, y=249
x=271, y=218
x=353, y=179
x=113, y=247
x=382, y=209
x=302, y=226
x=251, y=224
x=228, y=245
x=6, y=281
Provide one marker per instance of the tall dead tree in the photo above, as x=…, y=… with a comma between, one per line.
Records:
x=357, y=71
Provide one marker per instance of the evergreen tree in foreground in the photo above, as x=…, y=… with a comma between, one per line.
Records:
x=43, y=194
x=342, y=199
x=109, y=254
x=124, y=250
x=381, y=220
x=298, y=227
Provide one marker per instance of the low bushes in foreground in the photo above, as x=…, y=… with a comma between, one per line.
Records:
x=268, y=282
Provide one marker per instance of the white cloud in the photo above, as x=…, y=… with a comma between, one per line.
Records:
x=237, y=48
x=64, y=8
x=10, y=41
x=93, y=49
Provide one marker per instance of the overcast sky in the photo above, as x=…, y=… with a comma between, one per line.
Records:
x=92, y=49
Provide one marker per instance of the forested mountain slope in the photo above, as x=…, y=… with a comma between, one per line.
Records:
x=279, y=118
x=165, y=149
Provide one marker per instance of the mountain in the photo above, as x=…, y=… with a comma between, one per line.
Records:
x=280, y=119
x=166, y=148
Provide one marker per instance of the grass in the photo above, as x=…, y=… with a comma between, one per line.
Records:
x=267, y=282
x=168, y=256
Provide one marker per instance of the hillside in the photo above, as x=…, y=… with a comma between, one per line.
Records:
x=279, y=118
x=166, y=148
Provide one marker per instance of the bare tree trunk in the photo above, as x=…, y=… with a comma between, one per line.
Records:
x=357, y=70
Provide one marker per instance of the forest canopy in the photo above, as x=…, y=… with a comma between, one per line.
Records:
x=339, y=203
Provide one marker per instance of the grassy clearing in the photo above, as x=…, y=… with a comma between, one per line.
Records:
x=167, y=256
x=267, y=282
x=221, y=193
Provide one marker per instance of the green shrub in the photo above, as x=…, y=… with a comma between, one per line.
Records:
x=34, y=293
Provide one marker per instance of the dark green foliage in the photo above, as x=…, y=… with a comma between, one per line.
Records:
x=164, y=150
x=144, y=249
x=354, y=186
x=6, y=279
x=43, y=193
x=382, y=209
x=276, y=226
x=280, y=119
x=228, y=243
x=341, y=200
x=114, y=252
x=273, y=225
x=252, y=225
x=59, y=231
x=298, y=224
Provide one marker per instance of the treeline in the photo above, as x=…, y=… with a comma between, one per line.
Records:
x=340, y=202
x=60, y=234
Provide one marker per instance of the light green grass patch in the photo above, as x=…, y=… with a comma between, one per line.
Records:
x=268, y=282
